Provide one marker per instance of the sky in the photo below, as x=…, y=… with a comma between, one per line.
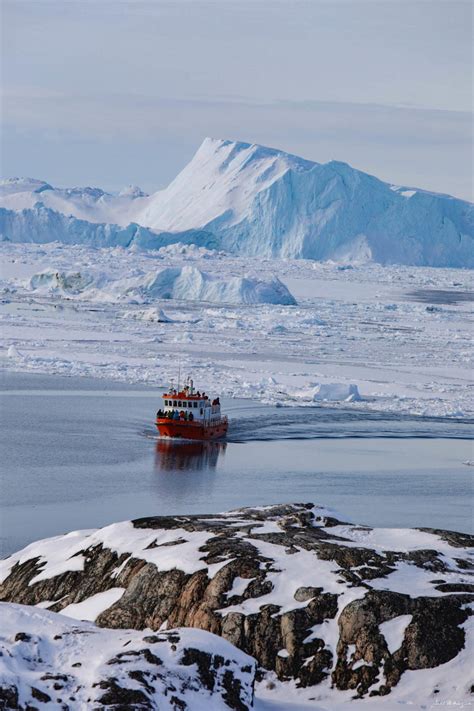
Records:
x=115, y=92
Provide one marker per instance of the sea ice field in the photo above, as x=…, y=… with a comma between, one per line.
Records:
x=279, y=331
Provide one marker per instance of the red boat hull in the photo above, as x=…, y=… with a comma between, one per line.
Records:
x=191, y=430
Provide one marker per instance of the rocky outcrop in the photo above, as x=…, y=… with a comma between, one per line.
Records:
x=432, y=636
x=311, y=598
x=75, y=665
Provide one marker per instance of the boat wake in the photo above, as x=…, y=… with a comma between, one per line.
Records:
x=273, y=424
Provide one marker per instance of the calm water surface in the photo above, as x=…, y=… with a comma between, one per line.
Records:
x=79, y=453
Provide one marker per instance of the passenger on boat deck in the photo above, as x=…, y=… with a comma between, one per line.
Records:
x=191, y=417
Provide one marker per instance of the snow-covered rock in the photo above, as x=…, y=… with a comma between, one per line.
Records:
x=249, y=199
x=50, y=661
x=312, y=598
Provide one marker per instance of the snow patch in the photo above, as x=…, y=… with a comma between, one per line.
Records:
x=394, y=631
x=91, y=608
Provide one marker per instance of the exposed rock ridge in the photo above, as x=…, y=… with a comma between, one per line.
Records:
x=302, y=592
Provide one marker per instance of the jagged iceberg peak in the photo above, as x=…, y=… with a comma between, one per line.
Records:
x=238, y=154
x=221, y=180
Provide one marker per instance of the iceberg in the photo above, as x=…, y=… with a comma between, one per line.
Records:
x=336, y=392
x=191, y=284
x=252, y=200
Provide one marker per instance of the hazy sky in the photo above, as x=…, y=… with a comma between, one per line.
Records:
x=111, y=92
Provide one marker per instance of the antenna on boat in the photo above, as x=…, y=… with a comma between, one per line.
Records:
x=179, y=373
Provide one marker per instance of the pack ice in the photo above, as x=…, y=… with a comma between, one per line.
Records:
x=252, y=200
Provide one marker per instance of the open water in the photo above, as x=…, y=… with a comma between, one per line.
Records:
x=78, y=453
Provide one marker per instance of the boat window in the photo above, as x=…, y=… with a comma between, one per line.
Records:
x=179, y=403
x=190, y=404
x=201, y=410
x=195, y=404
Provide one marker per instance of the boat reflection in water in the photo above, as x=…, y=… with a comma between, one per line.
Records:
x=172, y=455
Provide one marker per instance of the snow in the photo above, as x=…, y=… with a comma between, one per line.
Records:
x=64, y=553
x=394, y=631
x=58, y=554
x=68, y=659
x=292, y=571
x=91, y=608
x=417, y=580
x=239, y=586
x=383, y=539
x=257, y=201
x=361, y=663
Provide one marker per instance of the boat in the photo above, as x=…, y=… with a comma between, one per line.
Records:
x=190, y=414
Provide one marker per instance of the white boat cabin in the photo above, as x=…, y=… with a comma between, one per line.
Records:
x=188, y=401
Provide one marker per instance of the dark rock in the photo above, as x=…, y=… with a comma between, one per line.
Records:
x=203, y=662
x=233, y=692
x=454, y=538
x=305, y=594
x=8, y=697
x=40, y=695
x=121, y=698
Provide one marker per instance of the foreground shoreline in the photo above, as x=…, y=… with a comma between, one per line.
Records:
x=329, y=610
